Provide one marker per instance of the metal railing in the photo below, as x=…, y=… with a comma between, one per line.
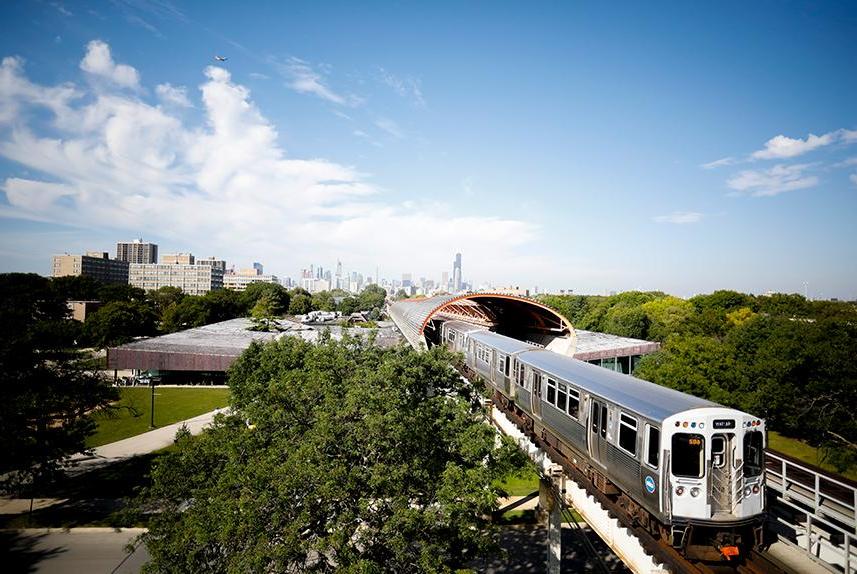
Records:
x=822, y=510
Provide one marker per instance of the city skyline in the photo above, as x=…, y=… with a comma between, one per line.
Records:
x=570, y=147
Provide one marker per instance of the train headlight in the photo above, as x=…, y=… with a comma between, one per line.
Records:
x=747, y=491
x=679, y=490
x=694, y=492
x=755, y=489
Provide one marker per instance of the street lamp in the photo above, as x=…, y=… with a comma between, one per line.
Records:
x=152, y=409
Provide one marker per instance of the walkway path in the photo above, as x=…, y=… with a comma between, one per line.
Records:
x=113, y=452
x=142, y=443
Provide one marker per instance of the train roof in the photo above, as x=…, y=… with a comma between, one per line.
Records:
x=642, y=397
x=502, y=343
x=464, y=326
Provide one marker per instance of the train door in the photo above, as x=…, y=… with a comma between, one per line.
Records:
x=536, y=395
x=722, y=490
x=597, y=430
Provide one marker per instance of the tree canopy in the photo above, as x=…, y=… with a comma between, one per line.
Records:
x=45, y=397
x=337, y=456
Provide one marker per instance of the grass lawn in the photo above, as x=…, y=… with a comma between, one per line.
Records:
x=802, y=451
x=520, y=483
x=171, y=405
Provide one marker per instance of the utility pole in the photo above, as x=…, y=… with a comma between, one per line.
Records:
x=152, y=410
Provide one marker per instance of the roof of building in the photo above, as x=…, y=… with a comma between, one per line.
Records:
x=215, y=347
x=592, y=345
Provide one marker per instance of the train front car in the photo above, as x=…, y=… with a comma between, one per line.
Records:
x=715, y=495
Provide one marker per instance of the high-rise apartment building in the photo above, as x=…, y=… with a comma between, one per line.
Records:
x=180, y=259
x=456, y=273
x=95, y=264
x=191, y=279
x=137, y=252
x=214, y=262
x=238, y=282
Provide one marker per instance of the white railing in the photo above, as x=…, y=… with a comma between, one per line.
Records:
x=829, y=506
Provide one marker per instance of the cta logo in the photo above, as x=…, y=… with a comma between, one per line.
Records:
x=650, y=484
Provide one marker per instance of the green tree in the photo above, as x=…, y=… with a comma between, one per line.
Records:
x=161, y=299
x=277, y=295
x=300, y=304
x=341, y=456
x=667, y=316
x=372, y=297
x=323, y=301
x=118, y=322
x=45, y=397
x=265, y=312
x=77, y=288
x=120, y=292
x=349, y=305
x=195, y=311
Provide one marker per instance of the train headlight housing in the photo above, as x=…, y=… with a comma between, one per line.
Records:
x=755, y=489
x=694, y=492
x=679, y=490
x=747, y=491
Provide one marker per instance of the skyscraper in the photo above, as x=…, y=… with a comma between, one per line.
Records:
x=456, y=273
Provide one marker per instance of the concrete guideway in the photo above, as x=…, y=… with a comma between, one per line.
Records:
x=617, y=537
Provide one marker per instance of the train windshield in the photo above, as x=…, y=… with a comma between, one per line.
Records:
x=753, y=449
x=687, y=455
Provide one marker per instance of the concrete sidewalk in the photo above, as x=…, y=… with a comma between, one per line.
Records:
x=97, y=550
x=142, y=443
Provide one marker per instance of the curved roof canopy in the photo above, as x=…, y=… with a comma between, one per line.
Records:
x=510, y=315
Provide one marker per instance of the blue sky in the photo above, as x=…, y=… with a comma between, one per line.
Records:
x=684, y=148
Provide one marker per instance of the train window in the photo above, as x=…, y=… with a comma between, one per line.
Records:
x=628, y=434
x=552, y=392
x=603, y=421
x=687, y=453
x=573, y=402
x=561, y=396
x=537, y=383
x=653, y=446
x=753, y=454
x=501, y=360
x=718, y=450
x=595, y=419
x=508, y=362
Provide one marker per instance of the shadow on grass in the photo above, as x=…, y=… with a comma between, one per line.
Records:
x=18, y=552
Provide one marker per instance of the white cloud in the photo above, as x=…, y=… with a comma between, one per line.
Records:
x=99, y=62
x=680, y=217
x=110, y=160
x=773, y=181
x=781, y=147
x=173, y=95
x=305, y=80
x=259, y=76
x=718, y=163
x=407, y=87
x=853, y=178
x=390, y=127
x=846, y=163
x=17, y=92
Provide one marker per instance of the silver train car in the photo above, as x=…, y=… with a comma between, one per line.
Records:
x=688, y=469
